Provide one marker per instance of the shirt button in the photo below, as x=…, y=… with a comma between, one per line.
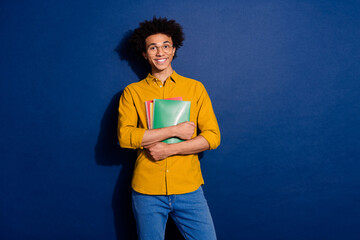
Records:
x=160, y=85
x=167, y=170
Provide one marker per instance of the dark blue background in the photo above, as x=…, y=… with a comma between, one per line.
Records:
x=283, y=77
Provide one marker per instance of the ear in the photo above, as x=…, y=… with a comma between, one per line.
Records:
x=145, y=55
x=174, y=50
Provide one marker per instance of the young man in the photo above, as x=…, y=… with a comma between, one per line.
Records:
x=167, y=178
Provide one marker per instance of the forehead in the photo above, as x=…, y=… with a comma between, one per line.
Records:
x=158, y=38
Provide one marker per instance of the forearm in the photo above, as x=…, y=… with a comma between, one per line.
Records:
x=157, y=135
x=193, y=146
x=184, y=130
x=159, y=150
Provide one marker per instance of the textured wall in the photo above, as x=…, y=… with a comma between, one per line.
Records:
x=284, y=80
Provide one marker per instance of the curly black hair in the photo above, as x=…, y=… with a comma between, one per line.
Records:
x=157, y=25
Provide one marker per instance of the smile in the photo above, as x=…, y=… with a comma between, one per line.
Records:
x=161, y=60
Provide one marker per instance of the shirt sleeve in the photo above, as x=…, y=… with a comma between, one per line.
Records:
x=129, y=135
x=207, y=122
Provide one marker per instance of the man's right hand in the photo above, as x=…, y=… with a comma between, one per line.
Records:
x=185, y=130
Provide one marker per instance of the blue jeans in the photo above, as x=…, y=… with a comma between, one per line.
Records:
x=189, y=211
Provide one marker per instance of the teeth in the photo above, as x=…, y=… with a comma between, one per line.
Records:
x=161, y=60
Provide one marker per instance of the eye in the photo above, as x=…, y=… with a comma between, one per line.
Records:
x=152, y=48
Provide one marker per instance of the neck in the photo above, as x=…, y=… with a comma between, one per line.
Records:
x=163, y=74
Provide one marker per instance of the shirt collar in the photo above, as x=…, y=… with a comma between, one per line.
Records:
x=174, y=77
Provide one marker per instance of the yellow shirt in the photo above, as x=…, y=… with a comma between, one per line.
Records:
x=179, y=173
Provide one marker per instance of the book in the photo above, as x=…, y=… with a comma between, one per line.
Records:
x=149, y=105
x=168, y=113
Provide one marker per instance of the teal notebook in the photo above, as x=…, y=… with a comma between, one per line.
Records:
x=169, y=113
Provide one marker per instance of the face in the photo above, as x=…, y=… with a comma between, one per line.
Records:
x=159, y=52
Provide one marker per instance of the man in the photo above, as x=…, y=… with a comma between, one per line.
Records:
x=167, y=178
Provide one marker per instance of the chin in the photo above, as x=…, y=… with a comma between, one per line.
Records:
x=161, y=68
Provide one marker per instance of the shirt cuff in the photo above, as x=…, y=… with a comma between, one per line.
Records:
x=212, y=138
x=136, y=137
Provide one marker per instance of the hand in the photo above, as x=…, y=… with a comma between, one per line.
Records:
x=158, y=151
x=185, y=130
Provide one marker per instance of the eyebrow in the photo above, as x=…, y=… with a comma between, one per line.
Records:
x=152, y=44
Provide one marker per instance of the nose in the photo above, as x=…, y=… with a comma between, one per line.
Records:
x=159, y=51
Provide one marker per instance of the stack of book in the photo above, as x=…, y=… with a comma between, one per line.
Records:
x=162, y=113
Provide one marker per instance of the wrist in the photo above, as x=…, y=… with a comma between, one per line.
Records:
x=173, y=131
x=173, y=149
